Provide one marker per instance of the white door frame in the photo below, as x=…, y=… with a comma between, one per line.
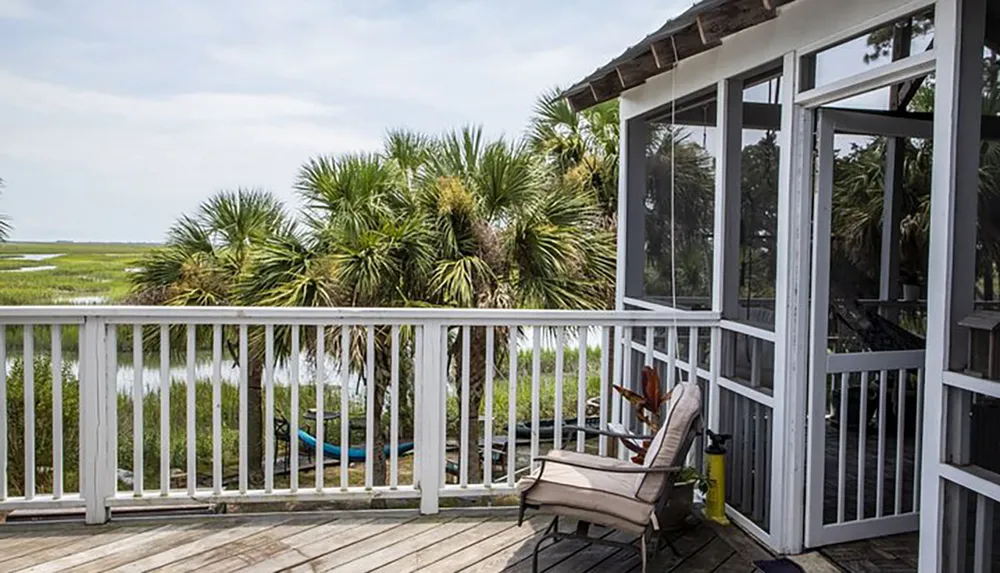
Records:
x=830, y=122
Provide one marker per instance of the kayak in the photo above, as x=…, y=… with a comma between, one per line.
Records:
x=353, y=454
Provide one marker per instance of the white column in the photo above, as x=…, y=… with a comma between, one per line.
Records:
x=429, y=450
x=959, y=35
x=96, y=483
x=791, y=346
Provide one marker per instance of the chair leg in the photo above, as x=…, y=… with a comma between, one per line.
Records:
x=643, y=549
x=534, y=555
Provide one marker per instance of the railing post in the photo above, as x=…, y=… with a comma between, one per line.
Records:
x=97, y=473
x=430, y=443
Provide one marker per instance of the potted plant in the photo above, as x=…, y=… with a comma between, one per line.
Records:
x=648, y=406
x=681, y=498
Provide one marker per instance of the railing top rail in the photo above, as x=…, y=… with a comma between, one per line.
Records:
x=299, y=315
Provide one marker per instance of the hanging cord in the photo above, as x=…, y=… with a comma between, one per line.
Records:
x=673, y=189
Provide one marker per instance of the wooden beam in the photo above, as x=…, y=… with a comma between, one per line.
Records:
x=731, y=17
x=701, y=30
x=656, y=56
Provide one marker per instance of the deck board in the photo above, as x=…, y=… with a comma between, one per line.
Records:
x=447, y=543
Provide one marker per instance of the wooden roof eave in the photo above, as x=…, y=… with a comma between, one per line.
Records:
x=700, y=29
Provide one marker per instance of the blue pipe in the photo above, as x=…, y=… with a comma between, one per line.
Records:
x=353, y=454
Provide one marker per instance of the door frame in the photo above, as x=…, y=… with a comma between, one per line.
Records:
x=829, y=122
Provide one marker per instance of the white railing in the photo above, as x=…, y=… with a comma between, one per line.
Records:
x=869, y=480
x=171, y=435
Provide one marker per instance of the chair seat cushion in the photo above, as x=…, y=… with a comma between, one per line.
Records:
x=565, y=488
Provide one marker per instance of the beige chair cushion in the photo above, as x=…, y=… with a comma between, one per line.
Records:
x=606, y=498
x=665, y=449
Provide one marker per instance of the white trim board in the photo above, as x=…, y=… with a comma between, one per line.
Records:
x=810, y=24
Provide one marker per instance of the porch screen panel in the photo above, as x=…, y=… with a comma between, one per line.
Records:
x=758, y=230
x=680, y=157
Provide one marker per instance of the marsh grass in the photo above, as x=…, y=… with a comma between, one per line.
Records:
x=83, y=270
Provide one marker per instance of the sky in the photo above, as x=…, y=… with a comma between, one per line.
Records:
x=117, y=116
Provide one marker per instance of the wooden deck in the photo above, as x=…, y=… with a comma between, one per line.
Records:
x=367, y=542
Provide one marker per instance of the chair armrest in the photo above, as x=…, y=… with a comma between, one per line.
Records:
x=589, y=430
x=612, y=469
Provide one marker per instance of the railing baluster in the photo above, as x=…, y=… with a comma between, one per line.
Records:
x=649, y=356
x=758, y=462
x=880, y=484
x=418, y=369
x=536, y=375
x=394, y=409
x=192, y=468
x=862, y=444
x=345, y=405
x=900, y=421
x=672, y=351
x=217, y=408
x=606, y=347
x=918, y=435
x=693, y=378
x=111, y=357
x=293, y=415
x=747, y=456
x=581, y=387
x=4, y=420
x=319, y=466
x=488, y=407
x=269, y=408
x=755, y=365
x=617, y=348
x=626, y=411
x=164, y=410
x=558, y=408
x=370, y=406
x=57, y=413
x=29, y=412
x=842, y=448
x=511, y=404
x=463, y=460
x=982, y=547
x=137, y=407
x=244, y=391
x=442, y=405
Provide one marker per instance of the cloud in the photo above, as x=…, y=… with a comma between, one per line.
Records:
x=116, y=116
x=16, y=10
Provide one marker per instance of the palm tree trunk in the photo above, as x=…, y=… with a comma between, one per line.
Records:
x=378, y=455
x=255, y=423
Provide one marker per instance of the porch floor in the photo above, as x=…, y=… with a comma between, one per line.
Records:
x=895, y=554
x=316, y=542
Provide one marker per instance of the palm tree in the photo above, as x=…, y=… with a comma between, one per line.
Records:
x=364, y=244
x=580, y=146
x=452, y=221
x=509, y=233
x=204, y=261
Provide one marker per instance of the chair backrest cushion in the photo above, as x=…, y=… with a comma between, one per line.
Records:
x=670, y=446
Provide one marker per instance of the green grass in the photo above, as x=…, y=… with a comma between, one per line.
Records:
x=82, y=270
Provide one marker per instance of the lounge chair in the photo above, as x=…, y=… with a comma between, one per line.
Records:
x=610, y=492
